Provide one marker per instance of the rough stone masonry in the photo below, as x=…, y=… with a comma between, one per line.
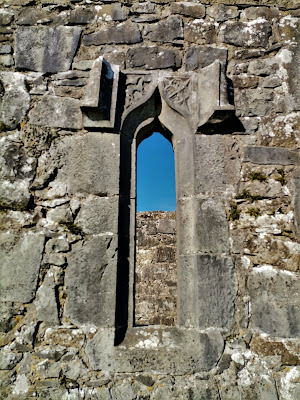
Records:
x=82, y=83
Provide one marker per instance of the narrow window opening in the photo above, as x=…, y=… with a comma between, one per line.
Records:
x=155, y=293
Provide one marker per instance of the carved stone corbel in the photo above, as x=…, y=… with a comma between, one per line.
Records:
x=214, y=110
x=99, y=104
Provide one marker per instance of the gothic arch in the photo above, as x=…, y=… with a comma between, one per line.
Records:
x=179, y=105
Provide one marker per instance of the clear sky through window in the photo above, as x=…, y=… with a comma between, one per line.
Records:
x=155, y=175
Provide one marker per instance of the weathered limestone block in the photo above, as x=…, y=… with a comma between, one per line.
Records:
x=153, y=57
x=57, y=112
x=47, y=369
x=264, y=67
x=17, y=172
x=91, y=281
x=60, y=214
x=6, y=16
x=200, y=31
x=288, y=350
x=200, y=57
x=167, y=31
x=5, y=49
x=288, y=383
x=252, y=13
x=61, y=44
x=220, y=12
x=92, y=164
x=290, y=61
x=165, y=350
x=208, y=285
x=217, y=164
x=270, y=155
x=82, y=15
x=111, y=12
x=253, y=34
x=14, y=101
x=20, y=263
x=183, y=389
x=275, y=304
x=86, y=163
x=46, y=304
x=204, y=227
x=126, y=32
x=8, y=359
x=6, y=60
x=296, y=202
x=143, y=8
x=98, y=215
x=253, y=381
x=287, y=28
x=188, y=9
x=61, y=336
x=260, y=102
x=32, y=16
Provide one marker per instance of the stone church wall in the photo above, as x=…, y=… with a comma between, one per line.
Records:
x=221, y=80
x=155, y=269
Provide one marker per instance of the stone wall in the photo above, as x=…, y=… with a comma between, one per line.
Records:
x=221, y=80
x=155, y=269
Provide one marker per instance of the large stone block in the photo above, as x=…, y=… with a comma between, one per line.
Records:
x=275, y=303
x=6, y=16
x=93, y=164
x=252, y=34
x=259, y=101
x=17, y=171
x=270, y=156
x=46, y=304
x=126, y=32
x=200, y=57
x=167, y=31
x=31, y=16
x=202, y=226
x=216, y=291
x=185, y=172
x=296, y=184
x=15, y=99
x=98, y=215
x=220, y=12
x=46, y=49
x=217, y=164
x=200, y=31
x=165, y=350
x=189, y=9
x=207, y=289
x=86, y=163
x=91, y=282
x=20, y=263
x=153, y=57
x=57, y=112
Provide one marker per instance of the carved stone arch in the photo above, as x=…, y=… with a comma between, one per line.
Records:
x=151, y=113
x=183, y=105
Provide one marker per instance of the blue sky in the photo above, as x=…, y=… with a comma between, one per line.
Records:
x=155, y=175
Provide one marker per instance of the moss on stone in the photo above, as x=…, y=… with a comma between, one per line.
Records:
x=234, y=213
x=253, y=212
x=257, y=176
x=4, y=207
x=246, y=195
x=3, y=127
x=73, y=228
x=281, y=178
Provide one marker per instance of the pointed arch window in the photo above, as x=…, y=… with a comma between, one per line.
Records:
x=155, y=293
